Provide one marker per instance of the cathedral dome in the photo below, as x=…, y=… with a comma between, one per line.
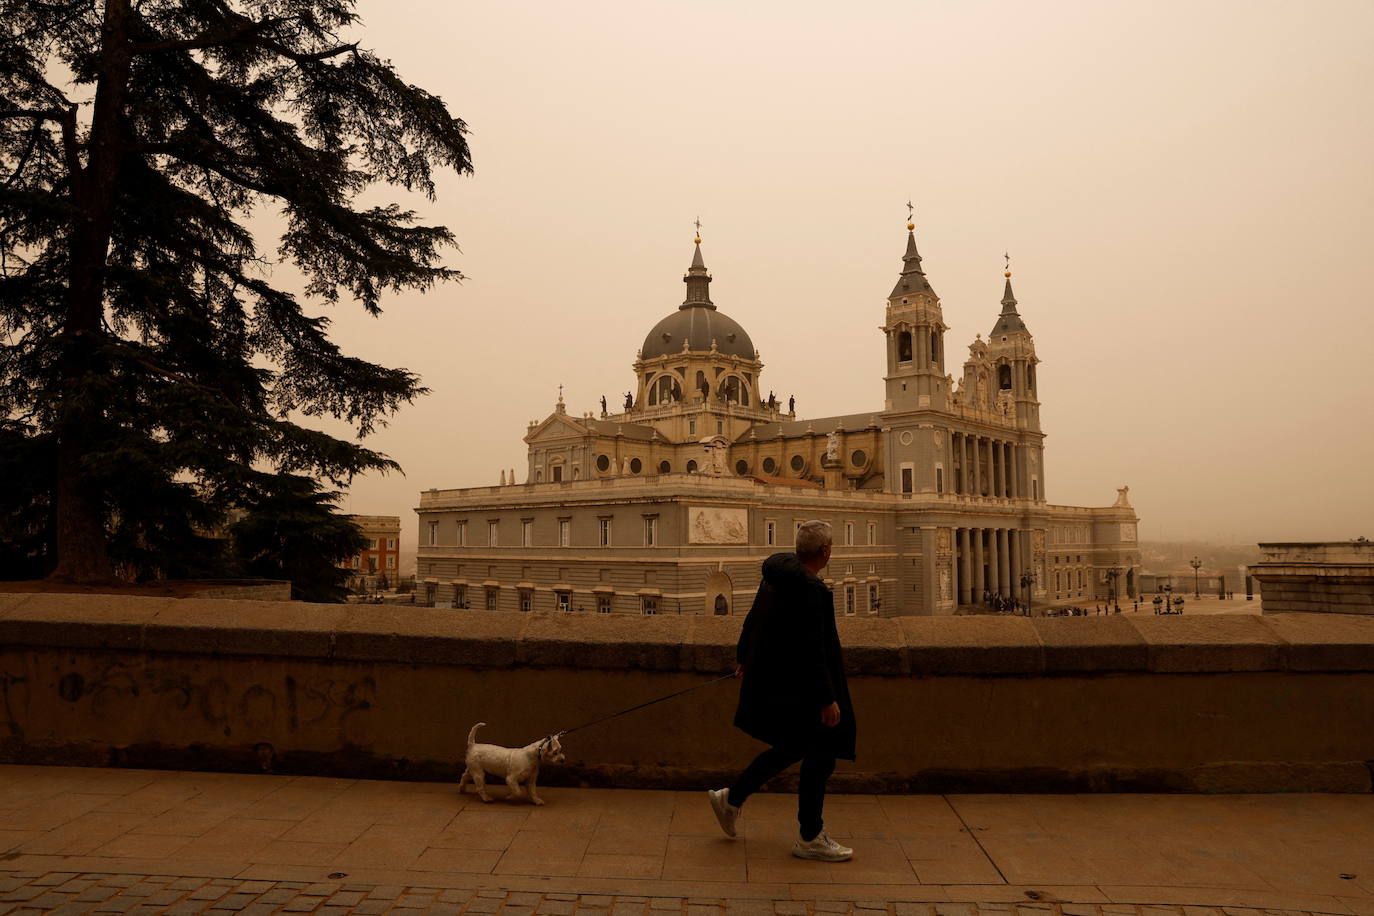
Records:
x=697, y=325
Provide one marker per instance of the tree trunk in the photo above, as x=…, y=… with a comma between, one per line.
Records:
x=82, y=554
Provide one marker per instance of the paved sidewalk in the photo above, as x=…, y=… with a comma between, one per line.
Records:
x=76, y=841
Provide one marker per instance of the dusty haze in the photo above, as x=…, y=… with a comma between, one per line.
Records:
x=1185, y=190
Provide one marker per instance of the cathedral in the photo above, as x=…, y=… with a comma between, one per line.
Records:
x=667, y=502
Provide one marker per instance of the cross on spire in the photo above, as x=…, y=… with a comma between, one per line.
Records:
x=698, y=225
x=910, y=211
x=1007, y=257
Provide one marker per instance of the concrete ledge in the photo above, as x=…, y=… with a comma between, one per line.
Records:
x=887, y=647
x=1188, y=703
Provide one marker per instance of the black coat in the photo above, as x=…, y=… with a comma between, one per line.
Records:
x=793, y=665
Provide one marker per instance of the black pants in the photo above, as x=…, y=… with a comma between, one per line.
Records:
x=817, y=763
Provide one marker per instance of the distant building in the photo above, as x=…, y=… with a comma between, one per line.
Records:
x=667, y=501
x=382, y=556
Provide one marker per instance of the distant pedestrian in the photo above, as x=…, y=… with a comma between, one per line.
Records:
x=794, y=696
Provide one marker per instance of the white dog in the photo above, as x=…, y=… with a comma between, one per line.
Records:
x=516, y=765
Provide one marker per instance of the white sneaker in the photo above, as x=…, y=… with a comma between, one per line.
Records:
x=725, y=812
x=822, y=848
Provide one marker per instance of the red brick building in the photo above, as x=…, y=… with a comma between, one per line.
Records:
x=382, y=556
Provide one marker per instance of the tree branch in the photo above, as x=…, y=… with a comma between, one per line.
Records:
x=38, y=114
x=66, y=118
x=209, y=39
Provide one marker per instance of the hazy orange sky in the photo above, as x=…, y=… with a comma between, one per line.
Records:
x=1186, y=190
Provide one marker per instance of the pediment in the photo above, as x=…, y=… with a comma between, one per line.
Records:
x=557, y=426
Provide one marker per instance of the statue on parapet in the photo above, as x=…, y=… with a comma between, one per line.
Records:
x=629, y=401
x=603, y=405
x=792, y=404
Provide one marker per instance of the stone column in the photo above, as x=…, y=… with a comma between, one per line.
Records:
x=977, y=468
x=999, y=473
x=970, y=459
x=956, y=462
x=1004, y=573
x=965, y=583
x=1017, y=562
x=1014, y=459
x=994, y=583
x=979, y=582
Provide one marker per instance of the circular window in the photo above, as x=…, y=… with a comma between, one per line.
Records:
x=797, y=462
x=603, y=462
x=636, y=465
x=691, y=467
x=769, y=465
x=741, y=467
x=858, y=459
x=665, y=467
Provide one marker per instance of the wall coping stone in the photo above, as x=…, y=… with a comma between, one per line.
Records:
x=884, y=647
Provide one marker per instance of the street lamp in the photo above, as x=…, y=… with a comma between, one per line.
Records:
x=1027, y=580
x=1196, y=564
x=1112, y=575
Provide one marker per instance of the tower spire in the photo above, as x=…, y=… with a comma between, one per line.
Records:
x=697, y=279
x=1010, y=319
x=913, y=279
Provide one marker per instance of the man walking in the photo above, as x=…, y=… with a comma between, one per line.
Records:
x=794, y=696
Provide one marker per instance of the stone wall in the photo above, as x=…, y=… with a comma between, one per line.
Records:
x=1217, y=703
x=245, y=590
x=1334, y=577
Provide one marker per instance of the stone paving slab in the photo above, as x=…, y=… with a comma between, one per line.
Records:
x=69, y=894
x=97, y=840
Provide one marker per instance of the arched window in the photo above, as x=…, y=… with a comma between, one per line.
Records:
x=1004, y=376
x=703, y=385
x=904, y=346
x=665, y=390
x=665, y=467
x=691, y=467
x=736, y=391
x=1030, y=378
x=934, y=347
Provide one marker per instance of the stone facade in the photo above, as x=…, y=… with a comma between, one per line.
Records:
x=1334, y=577
x=669, y=503
x=382, y=556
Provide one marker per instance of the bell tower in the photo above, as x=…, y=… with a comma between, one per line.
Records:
x=915, y=330
x=1011, y=350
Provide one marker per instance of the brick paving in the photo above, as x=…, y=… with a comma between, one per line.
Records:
x=71, y=894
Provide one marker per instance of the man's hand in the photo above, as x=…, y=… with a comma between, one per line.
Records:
x=739, y=671
x=830, y=715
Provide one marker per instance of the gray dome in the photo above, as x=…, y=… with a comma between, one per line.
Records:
x=698, y=325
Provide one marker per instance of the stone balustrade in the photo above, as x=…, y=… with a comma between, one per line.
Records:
x=1332, y=577
x=1215, y=703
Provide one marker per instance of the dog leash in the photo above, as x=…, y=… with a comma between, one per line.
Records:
x=723, y=677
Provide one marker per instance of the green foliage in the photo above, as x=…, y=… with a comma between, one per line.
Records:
x=291, y=531
x=26, y=502
x=145, y=350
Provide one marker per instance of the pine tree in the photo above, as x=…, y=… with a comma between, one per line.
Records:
x=142, y=341
x=290, y=531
